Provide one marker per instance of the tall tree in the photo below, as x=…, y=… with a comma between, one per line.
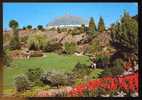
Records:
x=125, y=34
x=101, y=26
x=92, y=26
x=14, y=43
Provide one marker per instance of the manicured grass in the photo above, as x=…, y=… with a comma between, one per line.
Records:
x=52, y=62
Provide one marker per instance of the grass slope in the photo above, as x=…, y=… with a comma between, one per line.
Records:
x=52, y=62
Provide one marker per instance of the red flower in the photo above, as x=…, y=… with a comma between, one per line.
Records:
x=127, y=83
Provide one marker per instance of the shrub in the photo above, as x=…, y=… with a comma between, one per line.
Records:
x=22, y=83
x=24, y=39
x=94, y=74
x=40, y=27
x=80, y=71
x=58, y=30
x=34, y=75
x=53, y=79
x=124, y=35
x=117, y=68
x=106, y=72
x=70, y=48
x=94, y=47
x=37, y=41
x=6, y=59
x=51, y=47
x=76, y=31
x=102, y=61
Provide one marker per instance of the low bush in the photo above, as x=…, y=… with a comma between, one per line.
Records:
x=54, y=79
x=34, y=75
x=81, y=70
x=24, y=39
x=117, y=68
x=22, y=83
x=6, y=58
x=106, y=72
x=37, y=41
x=70, y=48
x=53, y=47
x=102, y=61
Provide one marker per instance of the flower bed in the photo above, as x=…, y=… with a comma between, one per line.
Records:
x=128, y=84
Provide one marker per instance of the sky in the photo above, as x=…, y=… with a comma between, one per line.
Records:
x=41, y=13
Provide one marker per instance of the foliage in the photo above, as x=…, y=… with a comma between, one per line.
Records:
x=34, y=74
x=70, y=48
x=106, y=72
x=22, y=83
x=101, y=26
x=15, y=42
x=76, y=31
x=94, y=74
x=6, y=59
x=24, y=28
x=117, y=68
x=13, y=24
x=37, y=41
x=124, y=36
x=81, y=70
x=40, y=27
x=53, y=79
x=92, y=26
x=102, y=61
x=107, y=85
x=24, y=39
x=29, y=27
x=53, y=47
x=94, y=47
x=58, y=30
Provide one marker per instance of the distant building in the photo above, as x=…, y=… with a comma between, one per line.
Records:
x=64, y=26
x=66, y=21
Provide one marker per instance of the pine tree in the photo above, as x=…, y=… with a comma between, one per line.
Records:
x=92, y=26
x=101, y=26
x=125, y=34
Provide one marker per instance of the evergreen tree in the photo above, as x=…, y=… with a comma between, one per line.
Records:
x=29, y=27
x=101, y=26
x=92, y=26
x=40, y=27
x=125, y=34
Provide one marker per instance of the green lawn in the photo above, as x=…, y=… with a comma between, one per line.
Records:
x=52, y=62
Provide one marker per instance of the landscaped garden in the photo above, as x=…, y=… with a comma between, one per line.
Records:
x=72, y=61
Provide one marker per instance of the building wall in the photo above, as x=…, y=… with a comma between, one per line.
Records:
x=64, y=26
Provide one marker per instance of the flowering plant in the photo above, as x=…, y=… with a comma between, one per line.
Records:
x=128, y=84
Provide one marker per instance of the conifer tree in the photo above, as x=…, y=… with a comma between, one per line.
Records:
x=92, y=26
x=101, y=26
x=124, y=36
